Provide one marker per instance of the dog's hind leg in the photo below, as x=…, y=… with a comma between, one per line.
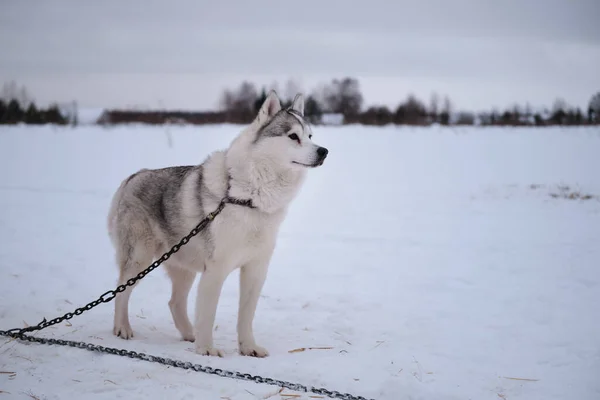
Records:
x=131, y=263
x=182, y=281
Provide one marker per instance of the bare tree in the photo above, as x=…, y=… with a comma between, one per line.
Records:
x=291, y=89
x=516, y=113
x=24, y=98
x=318, y=94
x=559, y=105
x=527, y=112
x=560, y=109
x=594, y=109
x=241, y=100
x=577, y=116
x=494, y=116
x=227, y=100
x=11, y=91
x=434, y=104
x=447, y=106
x=343, y=96
x=446, y=111
x=247, y=95
x=331, y=98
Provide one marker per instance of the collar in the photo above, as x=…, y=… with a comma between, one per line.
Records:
x=234, y=200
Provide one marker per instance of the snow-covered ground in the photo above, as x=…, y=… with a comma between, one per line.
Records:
x=429, y=263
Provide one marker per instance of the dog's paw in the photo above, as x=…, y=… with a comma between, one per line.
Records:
x=253, y=351
x=209, y=351
x=123, y=331
x=188, y=336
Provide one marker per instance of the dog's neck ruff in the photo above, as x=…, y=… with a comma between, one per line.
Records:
x=234, y=200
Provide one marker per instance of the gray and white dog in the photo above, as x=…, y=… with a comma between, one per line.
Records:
x=258, y=175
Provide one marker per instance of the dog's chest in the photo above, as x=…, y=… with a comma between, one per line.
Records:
x=245, y=232
x=247, y=226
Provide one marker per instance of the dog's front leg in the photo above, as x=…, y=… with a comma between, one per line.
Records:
x=209, y=290
x=252, y=279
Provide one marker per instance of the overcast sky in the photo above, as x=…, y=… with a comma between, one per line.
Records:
x=181, y=54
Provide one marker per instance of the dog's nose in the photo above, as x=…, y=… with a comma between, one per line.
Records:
x=322, y=152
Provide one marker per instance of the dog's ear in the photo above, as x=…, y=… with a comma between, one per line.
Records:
x=269, y=108
x=298, y=104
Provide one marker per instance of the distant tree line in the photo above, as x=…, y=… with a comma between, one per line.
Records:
x=339, y=101
x=344, y=97
x=16, y=106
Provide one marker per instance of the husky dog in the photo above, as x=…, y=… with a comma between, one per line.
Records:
x=257, y=177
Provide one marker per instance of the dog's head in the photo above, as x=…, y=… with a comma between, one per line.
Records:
x=284, y=137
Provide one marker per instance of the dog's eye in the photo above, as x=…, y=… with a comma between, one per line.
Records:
x=295, y=137
x=310, y=136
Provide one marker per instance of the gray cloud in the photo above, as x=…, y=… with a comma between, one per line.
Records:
x=494, y=52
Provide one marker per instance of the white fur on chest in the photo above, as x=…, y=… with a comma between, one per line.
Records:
x=238, y=235
x=241, y=235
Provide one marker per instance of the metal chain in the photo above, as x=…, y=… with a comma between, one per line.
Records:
x=186, y=365
x=19, y=333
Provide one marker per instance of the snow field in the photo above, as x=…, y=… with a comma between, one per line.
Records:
x=428, y=263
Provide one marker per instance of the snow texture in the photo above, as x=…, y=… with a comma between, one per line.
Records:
x=432, y=263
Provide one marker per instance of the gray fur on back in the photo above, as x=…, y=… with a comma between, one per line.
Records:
x=159, y=192
x=153, y=199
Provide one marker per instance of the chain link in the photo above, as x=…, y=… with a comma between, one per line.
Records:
x=19, y=333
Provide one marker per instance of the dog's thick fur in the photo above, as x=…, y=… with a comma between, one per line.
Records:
x=153, y=209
